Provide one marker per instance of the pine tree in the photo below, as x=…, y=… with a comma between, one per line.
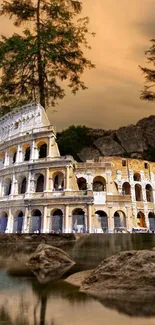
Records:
x=148, y=93
x=35, y=63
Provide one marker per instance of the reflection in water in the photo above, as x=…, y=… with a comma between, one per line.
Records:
x=23, y=301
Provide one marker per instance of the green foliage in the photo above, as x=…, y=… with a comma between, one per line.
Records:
x=73, y=140
x=49, y=51
x=148, y=93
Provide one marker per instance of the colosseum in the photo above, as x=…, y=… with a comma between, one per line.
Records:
x=41, y=191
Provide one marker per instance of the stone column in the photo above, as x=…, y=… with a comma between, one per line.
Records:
x=127, y=218
x=19, y=154
x=144, y=193
x=49, y=146
x=28, y=185
x=25, y=229
x=46, y=180
x=67, y=178
x=133, y=196
x=10, y=222
x=66, y=215
x=110, y=220
x=34, y=151
x=89, y=218
x=44, y=221
x=1, y=187
x=6, y=160
x=51, y=183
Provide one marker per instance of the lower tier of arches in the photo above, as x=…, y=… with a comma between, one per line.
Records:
x=73, y=219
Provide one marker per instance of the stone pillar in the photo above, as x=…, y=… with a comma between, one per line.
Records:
x=67, y=178
x=34, y=151
x=89, y=218
x=19, y=157
x=25, y=229
x=90, y=182
x=28, y=185
x=66, y=215
x=127, y=218
x=51, y=183
x=49, y=154
x=108, y=176
x=6, y=160
x=110, y=220
x=144, y=193
x=1, y=187
x=133, y=195
x=46, y=180
x=10, y=222
x=44, y=221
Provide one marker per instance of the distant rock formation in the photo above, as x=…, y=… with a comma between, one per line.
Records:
x=133, y=141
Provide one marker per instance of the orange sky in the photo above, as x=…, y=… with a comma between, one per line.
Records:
x=123, y=29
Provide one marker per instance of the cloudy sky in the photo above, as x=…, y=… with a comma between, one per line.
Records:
x=123, y=31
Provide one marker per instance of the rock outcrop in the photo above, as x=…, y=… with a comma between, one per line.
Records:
x=133, y=141
x=125, y=281
x=49, y=263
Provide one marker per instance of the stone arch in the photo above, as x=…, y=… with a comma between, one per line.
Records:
x=36, y=219
x=78, y=220
x=137, y=177
x=138, y=192
x=40, y=183
x=141, y=219
x=42, y=149
x=119, y=219
x=13, y=153
x=58, y=181
x=103, y=219
x=3, y=221
x=57, y=220
x=126, y=188
x=18, y=222
x=149, y=193
x=99, y=184
x=82, y=183
x=151, y=217
x=26, y=152
x=22, y=185
x=7, y=186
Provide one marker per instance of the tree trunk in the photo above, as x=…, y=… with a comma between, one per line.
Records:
x=40, y=61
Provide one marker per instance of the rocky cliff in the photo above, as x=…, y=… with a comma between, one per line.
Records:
x=132, y=141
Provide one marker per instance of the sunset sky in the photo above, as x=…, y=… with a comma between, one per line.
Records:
x=123, y=31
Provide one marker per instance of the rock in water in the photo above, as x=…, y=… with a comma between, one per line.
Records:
x=49, y=263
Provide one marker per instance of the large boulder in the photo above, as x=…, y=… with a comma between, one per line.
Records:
x=131, y=138
x=49, y=263
x=108, y=146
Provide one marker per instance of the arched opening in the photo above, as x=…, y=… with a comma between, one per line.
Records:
x=7, y=187
x=149, y=193
x=2, y=159
x=58, y=181
x=151, y=217
x=138, y=192
x=82, y=184
x=40, y=184
x=137, y=177
x=78, y=221
x=35, y=224
x=18, y=222
x=3, y=222
x=116, y=185
x=42, y=150
x=14, y=155
x=141, y=220
x=103, y=219
x=126, y=188
x=22, y=186
x=99, y=184
x=57, y=221
x=27, y=154
x=119, y=220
